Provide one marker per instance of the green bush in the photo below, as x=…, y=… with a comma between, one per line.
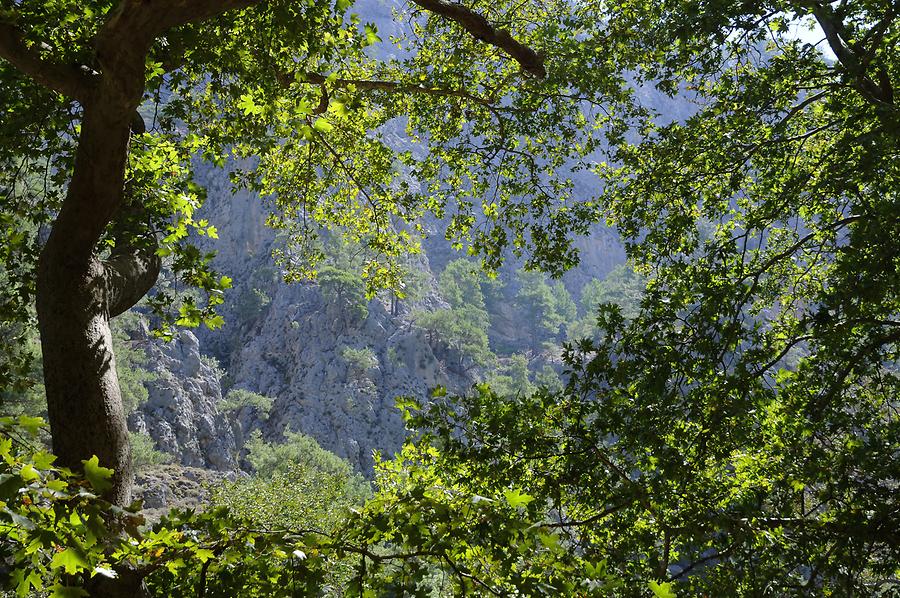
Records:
x=269, y=459
x=238, y=398
x=144, y=453
x=512, y=378
x=303, y=532
x=359, y=361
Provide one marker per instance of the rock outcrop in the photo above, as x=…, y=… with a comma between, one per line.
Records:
x=335, y=376
x=180, y=413
x=164, y=487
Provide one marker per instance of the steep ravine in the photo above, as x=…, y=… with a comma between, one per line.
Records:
x=295, y=344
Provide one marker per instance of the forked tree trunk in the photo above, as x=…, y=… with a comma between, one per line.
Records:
x=84, y=402
x=77, y=292
x=77, y=296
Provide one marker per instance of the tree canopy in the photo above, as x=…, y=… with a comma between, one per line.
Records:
x=296, y=99
x=736, y=434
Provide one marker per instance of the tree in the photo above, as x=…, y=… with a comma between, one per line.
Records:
x=546, y=307
x=463, y=326
x=622, y=287
x=512, y=379
x=731, y=436
x=239, y=399
x=460, y=284
x=463, y=329
x=294, y=85
x=346, y=291
x=563, y=304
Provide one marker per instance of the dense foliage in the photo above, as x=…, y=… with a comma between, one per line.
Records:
x=738, y=432
x=278, y=539
x=119, y=100
x=734, y=433
x=313, y=110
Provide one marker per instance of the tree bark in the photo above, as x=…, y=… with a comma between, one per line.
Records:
x=76, y=299
x=83, y=398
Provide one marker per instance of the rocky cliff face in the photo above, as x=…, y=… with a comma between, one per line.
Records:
x=335, y=376
x=295, y=345
x=303, y=349
x=180, y=413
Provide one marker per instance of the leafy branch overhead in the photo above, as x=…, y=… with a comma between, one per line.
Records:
x=293, y=99
x=329, y=121
x=730, y=428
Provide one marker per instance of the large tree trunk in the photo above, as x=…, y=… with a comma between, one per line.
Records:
x=83, y=398
x=76, y=298
x=77, y=292
x=77, y=295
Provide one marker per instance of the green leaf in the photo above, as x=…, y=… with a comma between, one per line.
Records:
x=549, y=541
x=29, y=473
x=43, y=460
x=248, y=105
x=70, y=559
x=24, y=583
x=322, y=126
x=5, y=447
x=31, y=424
x=174, y=565
x=60, y=591
x=338, y=108
x=662, y=590
x=516, y=499
x=371, y=35
x=214, y=322
x=98, y=476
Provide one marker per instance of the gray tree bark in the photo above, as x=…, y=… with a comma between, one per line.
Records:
x=76, y=299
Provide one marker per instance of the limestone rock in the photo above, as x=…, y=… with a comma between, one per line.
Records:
x=181, y=413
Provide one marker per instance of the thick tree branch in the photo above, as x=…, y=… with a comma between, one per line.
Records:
x=832, y=30
x=392, y=86
x=879, y=94
x=480, y=28
x=153, y=18
x=128, y=277
x=133, y=267
x=67, y=80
